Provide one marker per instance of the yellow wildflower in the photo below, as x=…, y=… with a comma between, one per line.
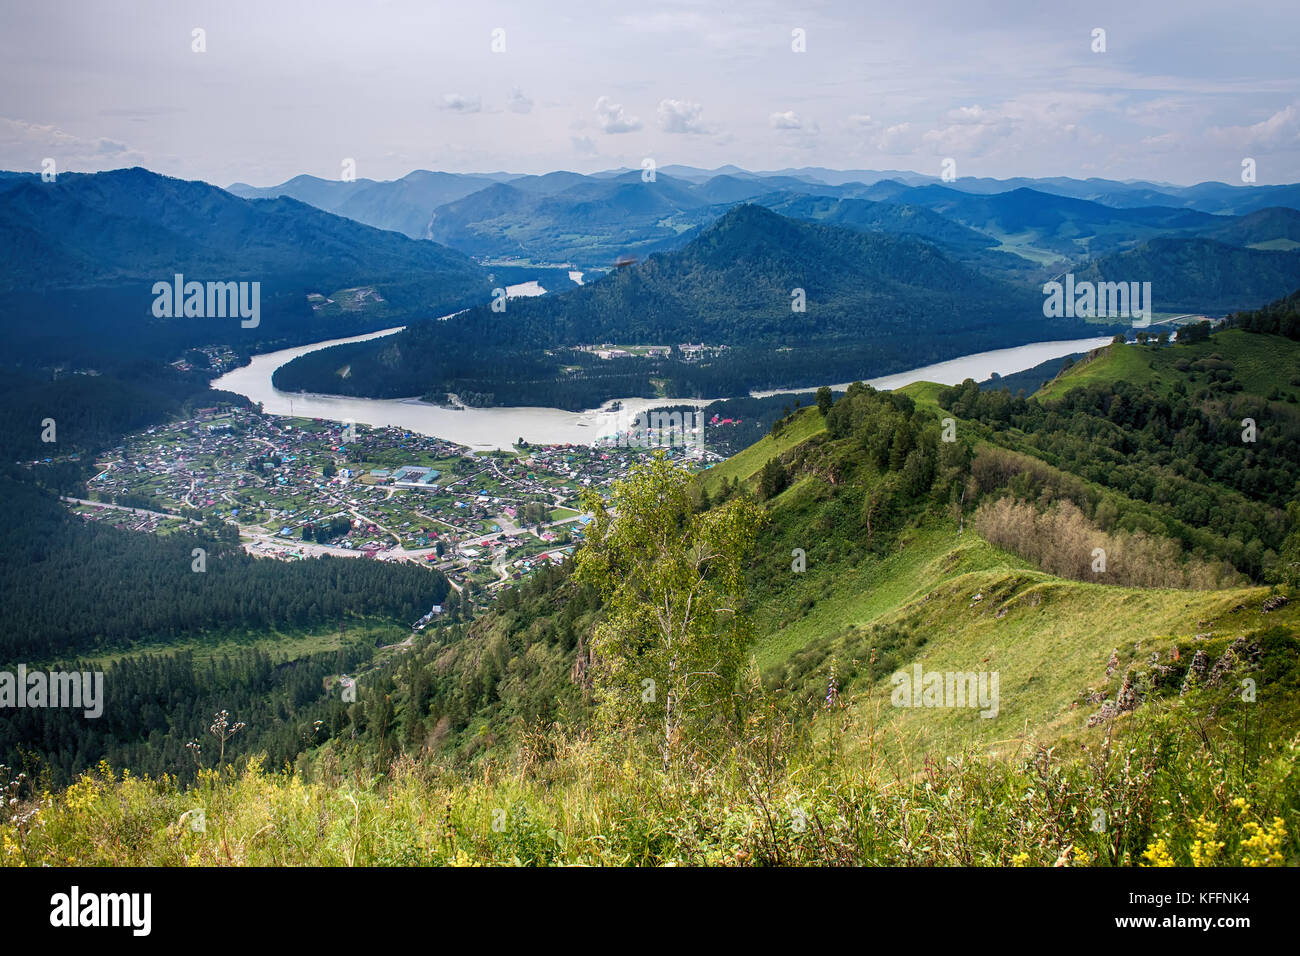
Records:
x=1264, y=845
x=1205, y=849
x=1158, y=854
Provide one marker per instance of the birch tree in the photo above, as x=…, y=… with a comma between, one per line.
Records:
x=671, y=645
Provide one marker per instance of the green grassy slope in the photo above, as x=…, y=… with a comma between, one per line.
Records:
x=827, y=600
x=1261, y=362
x=1107, y=364
x=745, y=465
x=974, y=607
x=955, y=602
x=1049, y=640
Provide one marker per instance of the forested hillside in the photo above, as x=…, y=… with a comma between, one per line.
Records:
x=74, y=592
x=136, y=590
x=1200, y=275
x=82, y=254
x=868, y=303
x=1151, y=440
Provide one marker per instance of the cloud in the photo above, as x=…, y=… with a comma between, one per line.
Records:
x=461, y=104
x=517, y=102
x=897, y=139
x=1010, y=128
x=25, y=145
x=612, y=119
x=796, y=131
x=584, y=145
x=681, y=116
x=860, y=121
x=1158, y=110
x=1164, y=143
x=971, y=131
x=1282, y=129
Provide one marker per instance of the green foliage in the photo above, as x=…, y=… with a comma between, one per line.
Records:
x=1170, y=785
x=672, y=640
x=1277, y=318
x=772, y=480
x=1193, y=333
x=156, y=704
x=1165, y=456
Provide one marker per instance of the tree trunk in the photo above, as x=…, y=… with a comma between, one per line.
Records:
x=668, y=712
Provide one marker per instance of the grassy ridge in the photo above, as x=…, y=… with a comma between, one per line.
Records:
x=1260, y=363
x=745, y=466
x=817, y=604
x=979, y=608
x=1050, y=641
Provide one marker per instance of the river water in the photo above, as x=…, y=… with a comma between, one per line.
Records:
x=493, y=428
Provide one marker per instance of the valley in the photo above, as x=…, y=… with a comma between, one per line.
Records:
x=682, y=437
x=497, y=428
x=411, y=530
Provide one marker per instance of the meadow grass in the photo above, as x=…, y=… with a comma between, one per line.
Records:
x=766, y=799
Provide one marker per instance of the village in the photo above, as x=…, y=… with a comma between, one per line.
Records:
x=298, y=488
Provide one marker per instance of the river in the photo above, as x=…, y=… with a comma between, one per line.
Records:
x=492, y=428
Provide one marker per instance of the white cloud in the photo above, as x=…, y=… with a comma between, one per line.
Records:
x=786, y=120
x=898, y=139
x=1157, y=111
x=1282, y=129
x=461, y=104
x=23, y=146
x=613, y=119
x=1010, y=128
x=583, y=144
x=517, y=102
x=973, y=131
x=681, y=116
x=1164, y=143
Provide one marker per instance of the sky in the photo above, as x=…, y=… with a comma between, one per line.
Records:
x=1173, y=92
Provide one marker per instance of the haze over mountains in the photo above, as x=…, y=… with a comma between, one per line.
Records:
x=589, y=220
x=896, y=271
x=1200, y=274
x=403, y=205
